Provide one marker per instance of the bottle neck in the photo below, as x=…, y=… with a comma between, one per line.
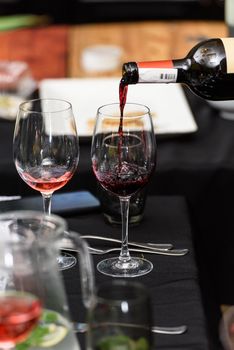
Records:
x=183, y=68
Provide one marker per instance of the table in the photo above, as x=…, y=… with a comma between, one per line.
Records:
x=199, y=166
x=174, y=281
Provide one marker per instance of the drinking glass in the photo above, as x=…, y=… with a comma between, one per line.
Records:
x=32, y=230
x=123, y=156
x=46, y=150
x=21, y=300
x=121, y=317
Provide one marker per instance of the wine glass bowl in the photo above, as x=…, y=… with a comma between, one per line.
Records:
x=119, y=173
x=45, y=145
x=46, y=149
x=123, y=160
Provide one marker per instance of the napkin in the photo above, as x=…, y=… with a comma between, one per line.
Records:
x=62, y=203
x=9, y=198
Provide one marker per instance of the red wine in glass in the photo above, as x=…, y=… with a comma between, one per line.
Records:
x=19, y=314
x=125, y=181
x=123, y=159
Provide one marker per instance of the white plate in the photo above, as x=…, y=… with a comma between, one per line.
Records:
x=9, y=104
x=170, y=110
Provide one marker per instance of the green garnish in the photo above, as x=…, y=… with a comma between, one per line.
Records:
x=49, y=317
x=122, y=342
x=34, y=338
x=46, y=334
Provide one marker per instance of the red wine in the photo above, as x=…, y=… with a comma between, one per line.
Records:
x=19, y=314
x=123, y=90
x=123, y=181
x=208, y=70
x=118, y=173
x=46, y=180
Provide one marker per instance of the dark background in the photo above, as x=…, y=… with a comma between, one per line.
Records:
x=85, y=11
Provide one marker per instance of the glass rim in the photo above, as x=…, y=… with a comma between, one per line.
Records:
x=31, y=110
x=146, y=110
x=116, y=135
x=33, y=214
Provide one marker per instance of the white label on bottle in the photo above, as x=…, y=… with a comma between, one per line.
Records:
x=228, y=44
x=157, y=75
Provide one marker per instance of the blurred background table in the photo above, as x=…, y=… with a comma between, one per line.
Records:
x=55, y=51
x=141, y=41
x=199, y=166
x=45, y=49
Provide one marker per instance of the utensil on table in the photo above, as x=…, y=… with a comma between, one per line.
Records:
x=162, y=246
x=80, y=327
x=172, y=252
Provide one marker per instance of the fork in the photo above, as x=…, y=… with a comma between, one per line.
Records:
x=151, y=246
x=83, y=327
x=172, y=252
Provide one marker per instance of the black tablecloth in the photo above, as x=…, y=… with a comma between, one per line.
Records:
x=173, y=283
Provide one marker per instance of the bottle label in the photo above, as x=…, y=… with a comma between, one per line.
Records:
x=157, y=75
x=228, y=44
x=157, y=72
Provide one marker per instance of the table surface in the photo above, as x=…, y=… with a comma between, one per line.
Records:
x=199, y=166
x=173, y=282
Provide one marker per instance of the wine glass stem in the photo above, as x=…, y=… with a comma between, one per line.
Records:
x=124, y=205
x=47, y=203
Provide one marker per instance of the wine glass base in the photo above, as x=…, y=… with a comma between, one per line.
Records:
x=66, y=261
x=135, y=267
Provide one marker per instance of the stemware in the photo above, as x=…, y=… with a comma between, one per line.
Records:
x=21, y=300
x=32, y=230
x=46, y=150
x=121, y=317
x=123, y=156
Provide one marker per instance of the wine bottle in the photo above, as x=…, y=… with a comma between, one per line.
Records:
x=208, y=70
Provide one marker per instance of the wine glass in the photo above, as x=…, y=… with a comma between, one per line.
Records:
x=121, y=317
x=21, y=299
x=33, y=229
x=123, y=156
x=46, y=150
